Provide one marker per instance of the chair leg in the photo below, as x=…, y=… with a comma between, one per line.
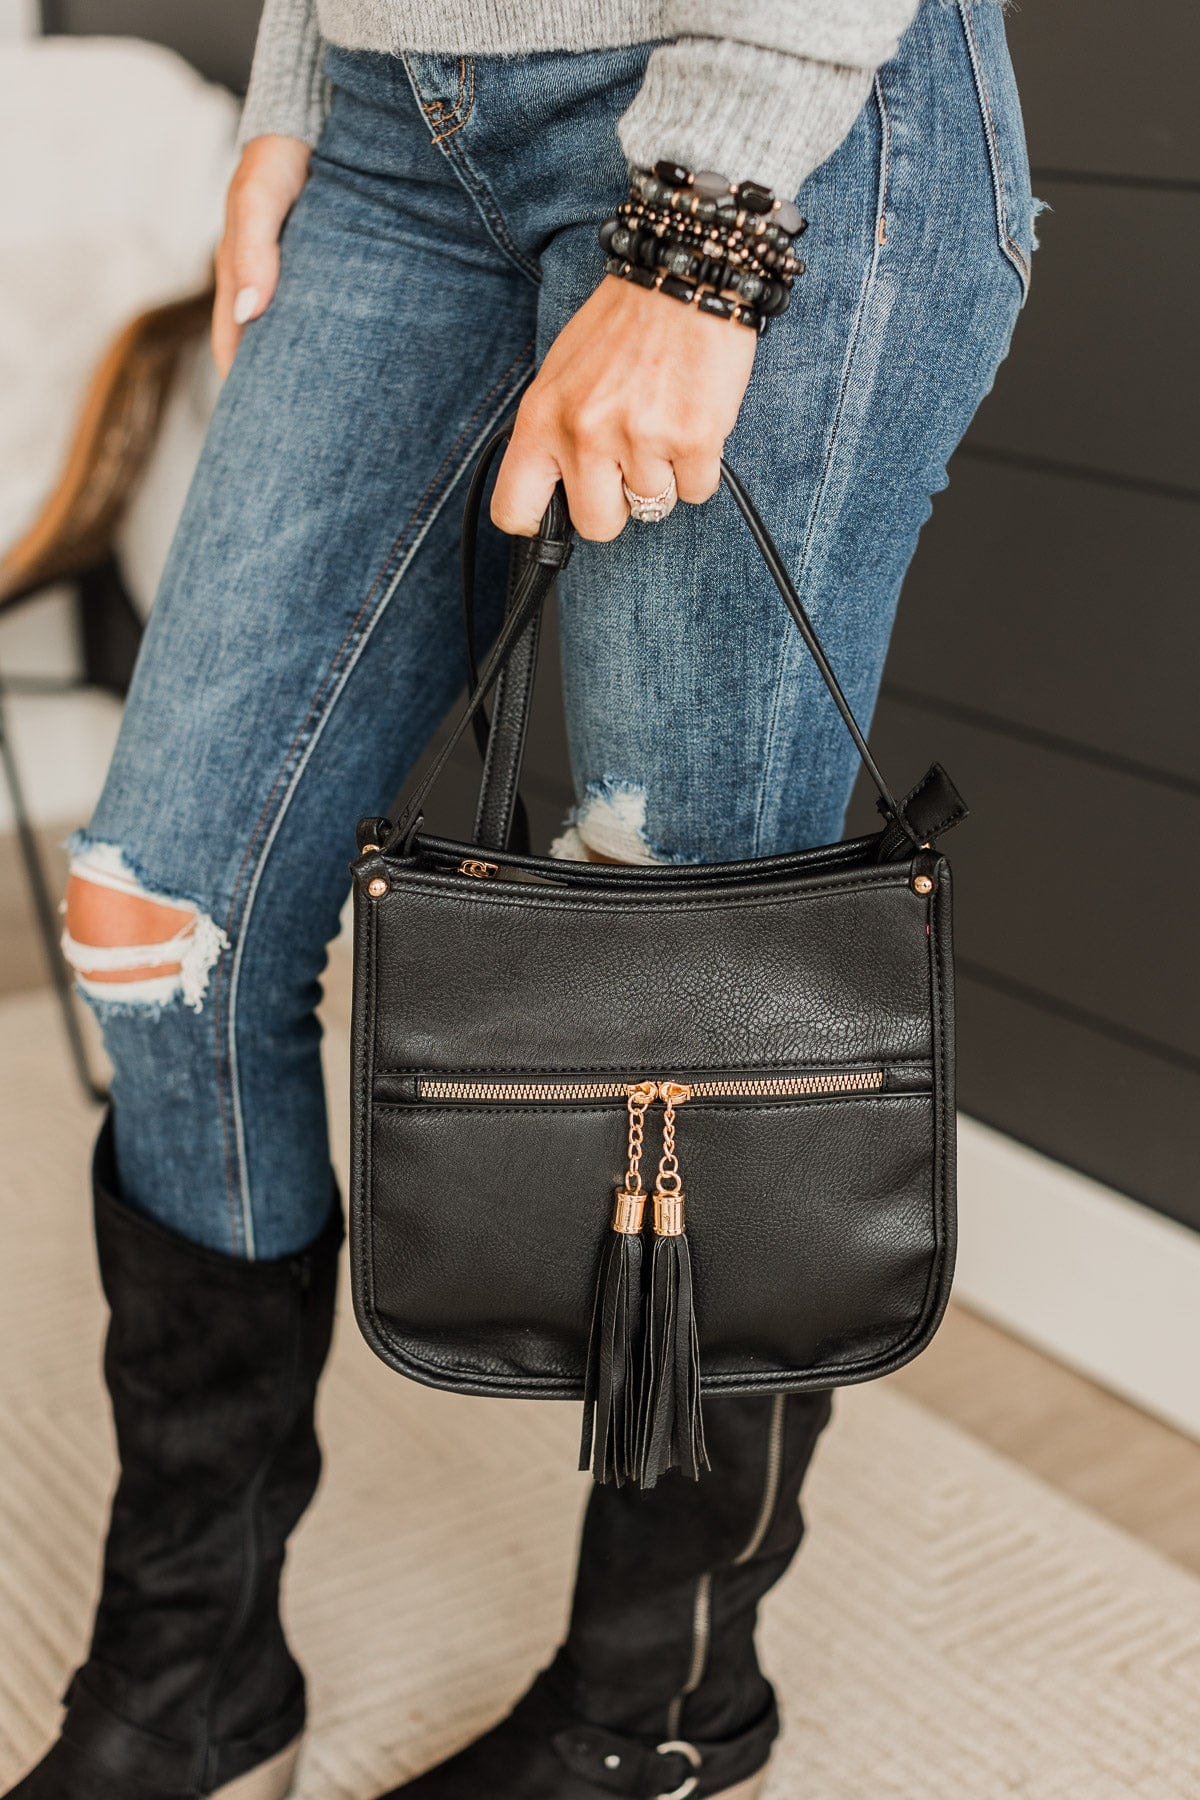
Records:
x=110, y=629
x=44, y=911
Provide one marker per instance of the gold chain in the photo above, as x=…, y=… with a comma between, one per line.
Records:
x=629, y=1206
x=672, y=1094
x=639, y=1099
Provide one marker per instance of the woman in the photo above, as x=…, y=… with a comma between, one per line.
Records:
x=442, y=172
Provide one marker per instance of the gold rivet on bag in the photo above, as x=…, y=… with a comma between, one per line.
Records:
x=923, y=884
x=377, y=888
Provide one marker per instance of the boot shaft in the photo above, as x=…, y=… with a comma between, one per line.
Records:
x=212, y=1365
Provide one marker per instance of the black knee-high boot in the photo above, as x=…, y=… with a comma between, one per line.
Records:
x=657, y=1691
x=212, y=1364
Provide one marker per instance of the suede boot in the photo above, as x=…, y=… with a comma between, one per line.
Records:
x=657, y=1693
x=212, y=1365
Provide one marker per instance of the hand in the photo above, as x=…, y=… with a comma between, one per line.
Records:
x=263, y=191
x=635, y=386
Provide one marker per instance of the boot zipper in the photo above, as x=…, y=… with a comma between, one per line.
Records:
x=702, y=1604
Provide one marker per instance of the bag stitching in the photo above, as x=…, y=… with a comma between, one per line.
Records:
x=629, y=904
x=851, y=1065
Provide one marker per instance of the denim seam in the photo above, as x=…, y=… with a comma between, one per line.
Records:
x=459, y=117
x=437, y=110
x=1008, y=244
x=295, y=761
x=885, y=164
x=473, y=183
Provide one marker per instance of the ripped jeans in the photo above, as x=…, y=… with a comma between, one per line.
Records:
x=306, y=641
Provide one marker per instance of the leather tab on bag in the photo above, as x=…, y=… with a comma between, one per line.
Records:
x=371, y=832
x=933, y=806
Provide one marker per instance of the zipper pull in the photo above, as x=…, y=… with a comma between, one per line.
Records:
x=668, y=1186
x=482, y=871
x=671, y=1418
x=629, y=1209
x=608, y=1444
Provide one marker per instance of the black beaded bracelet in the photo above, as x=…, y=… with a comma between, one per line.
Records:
x=700, y=239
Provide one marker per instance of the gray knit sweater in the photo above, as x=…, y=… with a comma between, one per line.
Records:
x=760, y=89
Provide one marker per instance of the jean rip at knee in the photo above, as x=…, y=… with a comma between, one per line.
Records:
x=609, y=825
x=134, y=947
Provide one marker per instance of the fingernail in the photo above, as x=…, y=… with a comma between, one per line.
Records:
x=244, y=303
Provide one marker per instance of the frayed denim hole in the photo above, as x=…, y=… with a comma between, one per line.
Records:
x=195, y=947
x=611, y=821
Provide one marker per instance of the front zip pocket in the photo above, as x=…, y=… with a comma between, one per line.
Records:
x=494, y=1194
x=636, y=1282
x=569, y=1091
x=639, y=1097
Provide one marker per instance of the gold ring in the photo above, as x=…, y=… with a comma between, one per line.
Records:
x=650, y=509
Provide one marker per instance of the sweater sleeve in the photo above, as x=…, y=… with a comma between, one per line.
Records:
x=287, y=82
x=762, y=90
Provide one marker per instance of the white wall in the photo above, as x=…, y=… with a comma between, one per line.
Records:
x=18, y=18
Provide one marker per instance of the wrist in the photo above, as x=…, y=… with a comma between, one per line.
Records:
x=725, y=248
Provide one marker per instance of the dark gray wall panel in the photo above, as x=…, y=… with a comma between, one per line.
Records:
x=1110, y=85
x=218, y=39
x=1105, y=365
x=1061, y=605
x=1069, y=881
x=1117, y=1112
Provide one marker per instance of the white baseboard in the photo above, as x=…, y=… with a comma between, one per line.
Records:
x=1097, y=1280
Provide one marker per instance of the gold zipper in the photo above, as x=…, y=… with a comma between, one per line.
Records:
x=518, y=1091
x=723, y=1087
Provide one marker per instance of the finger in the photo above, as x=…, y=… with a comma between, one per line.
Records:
x=596, y=498
x=225, y=334
x=247, y=269
x=528, y=476
x=698, y=476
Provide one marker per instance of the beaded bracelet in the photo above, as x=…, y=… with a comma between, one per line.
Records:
x=699, y=238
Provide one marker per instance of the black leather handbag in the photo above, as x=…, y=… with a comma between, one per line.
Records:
x=757, y=1057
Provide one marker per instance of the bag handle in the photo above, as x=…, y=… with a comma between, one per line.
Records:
x=536, y=562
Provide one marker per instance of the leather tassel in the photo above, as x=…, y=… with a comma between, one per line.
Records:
x=610, y=1411
x=608, y=1445
x=671, y=1434
x=671, y=1422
